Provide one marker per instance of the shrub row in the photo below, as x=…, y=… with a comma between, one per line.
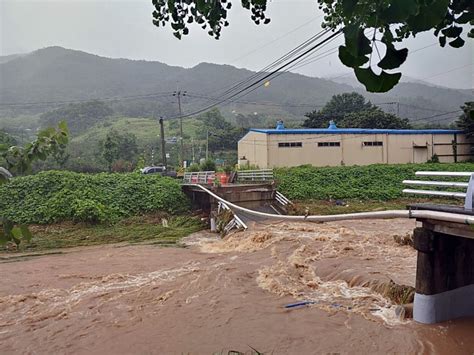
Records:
x=377, y=182
x=60, y=195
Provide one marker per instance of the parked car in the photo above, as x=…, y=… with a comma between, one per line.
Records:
x=159, y=170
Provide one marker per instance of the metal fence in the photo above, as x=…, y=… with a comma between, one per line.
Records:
x=246, y=176
x=469, y=186
x=200, y=177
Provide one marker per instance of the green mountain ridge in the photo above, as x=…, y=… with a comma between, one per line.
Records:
x=57, y=74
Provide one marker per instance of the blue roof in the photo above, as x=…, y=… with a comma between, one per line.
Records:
x=355, y=131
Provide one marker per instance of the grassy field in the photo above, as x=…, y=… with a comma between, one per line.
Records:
x=138, y=229
x=146, y=130
x=324, y=207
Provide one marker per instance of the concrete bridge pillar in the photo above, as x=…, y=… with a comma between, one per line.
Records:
x=445, y=272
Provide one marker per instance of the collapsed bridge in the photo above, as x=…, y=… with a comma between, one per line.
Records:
x=444, y=287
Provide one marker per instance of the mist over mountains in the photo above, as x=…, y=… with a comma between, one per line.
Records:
x=54, y=74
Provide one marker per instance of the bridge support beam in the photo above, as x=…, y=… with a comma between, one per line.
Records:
x=445, y=272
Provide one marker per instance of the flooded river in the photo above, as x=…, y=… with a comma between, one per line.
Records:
x=219, y=295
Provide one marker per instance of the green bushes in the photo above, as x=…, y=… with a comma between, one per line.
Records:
x=90, y=211
x=375, y=182
x=57, y=195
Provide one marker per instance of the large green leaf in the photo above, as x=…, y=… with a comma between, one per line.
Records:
x=429, y=16
x=17, y=233
x=377, y=83
x=465, y=17
x=399, y=11
x=349, y=60
x=348, y=7
x=457, y=43
x=452, y=32
x=357, y=44
x=393, y=58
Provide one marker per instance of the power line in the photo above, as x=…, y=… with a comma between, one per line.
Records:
x=276, y=62
x=251, y=87
x=275, y=40
x=434, y=116
x=278, y=72
x=122, y=98
x=448, y=71
x=256, y=103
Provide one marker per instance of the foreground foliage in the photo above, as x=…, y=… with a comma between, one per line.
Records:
x=18, y=159
x=55, y=196
x=372, y=182
x=466, y=120
x=368, y=26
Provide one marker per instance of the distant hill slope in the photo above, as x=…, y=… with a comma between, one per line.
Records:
x=7, y=58
x=59, y=74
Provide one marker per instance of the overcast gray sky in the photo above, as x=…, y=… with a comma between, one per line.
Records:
x=117, y=28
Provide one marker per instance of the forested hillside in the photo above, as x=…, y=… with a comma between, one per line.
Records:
x=57, y=74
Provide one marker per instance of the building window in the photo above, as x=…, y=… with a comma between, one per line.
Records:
x=329, y=144
x=290, y=145
x=373, y=144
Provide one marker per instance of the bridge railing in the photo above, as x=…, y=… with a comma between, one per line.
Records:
x=199, y=177
x=282, y=199
x=246, y=176
x=468, y=187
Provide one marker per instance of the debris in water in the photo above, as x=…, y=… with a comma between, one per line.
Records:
x=299, y=304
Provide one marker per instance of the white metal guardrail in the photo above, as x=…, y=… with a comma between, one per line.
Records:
x=199, y=177
x=469, y=186
x=282, y=200
x=244, y=176
x=235, y=222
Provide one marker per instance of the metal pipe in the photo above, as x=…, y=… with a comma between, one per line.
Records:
x=442, y=216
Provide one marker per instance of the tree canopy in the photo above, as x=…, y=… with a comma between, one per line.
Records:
x=369, y=27
x=222, y=134
x=351, y=110
x=119, y=146
x=79, y=117
x=466, y=120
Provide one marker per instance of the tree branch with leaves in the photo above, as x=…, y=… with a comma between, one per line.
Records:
x=18, y=160
x=369, y=26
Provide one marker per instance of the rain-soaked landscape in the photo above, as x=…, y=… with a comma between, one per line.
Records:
x=216, y=295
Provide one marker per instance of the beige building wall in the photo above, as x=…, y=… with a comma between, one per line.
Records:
x=254, y=147
x=287, y=150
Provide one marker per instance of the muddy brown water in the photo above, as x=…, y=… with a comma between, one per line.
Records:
x=221, y=295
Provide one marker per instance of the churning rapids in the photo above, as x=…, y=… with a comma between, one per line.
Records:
x=220, y=295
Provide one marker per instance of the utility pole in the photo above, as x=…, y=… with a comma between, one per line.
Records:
x=207, y=145
x=162, y=133
x=192, y=146
x=178, y=93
